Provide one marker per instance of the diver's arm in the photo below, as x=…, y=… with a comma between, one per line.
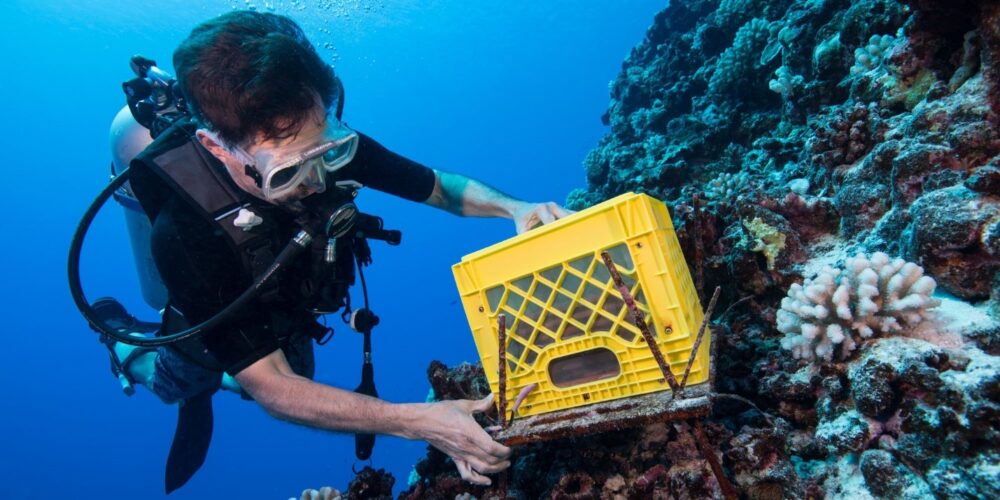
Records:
x=447, y=425
x=461, y=195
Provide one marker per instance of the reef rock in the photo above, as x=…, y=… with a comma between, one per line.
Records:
x=956, y=237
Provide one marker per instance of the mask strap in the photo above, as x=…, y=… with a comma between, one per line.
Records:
x=248, y=169
x=253, y=174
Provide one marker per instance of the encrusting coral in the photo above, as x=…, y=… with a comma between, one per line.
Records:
x=767, y=240
x=829, y=314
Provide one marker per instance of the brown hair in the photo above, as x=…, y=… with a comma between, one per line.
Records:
x=246, y=73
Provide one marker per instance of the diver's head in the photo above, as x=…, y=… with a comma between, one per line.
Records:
x=283, y=170
x=261, y=94
x=248, y=74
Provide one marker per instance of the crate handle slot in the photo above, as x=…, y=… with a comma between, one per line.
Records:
x=583, y=367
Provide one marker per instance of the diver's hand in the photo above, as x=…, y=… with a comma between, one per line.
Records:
x=530, y=215
x=449, y=427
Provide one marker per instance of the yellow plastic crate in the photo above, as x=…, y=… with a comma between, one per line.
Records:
x=568, y=328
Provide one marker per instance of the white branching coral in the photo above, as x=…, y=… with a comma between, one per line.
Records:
x=785, y=82
x=726, y=186
x=840, y=307
x=871, y=55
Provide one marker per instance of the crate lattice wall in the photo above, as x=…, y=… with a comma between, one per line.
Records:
x=568, y=329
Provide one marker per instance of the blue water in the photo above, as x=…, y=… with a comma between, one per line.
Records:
x=510, y=93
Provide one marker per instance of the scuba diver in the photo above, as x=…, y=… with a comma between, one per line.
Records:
x=244, y=179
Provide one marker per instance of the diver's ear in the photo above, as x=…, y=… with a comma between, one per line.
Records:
x=213, y=144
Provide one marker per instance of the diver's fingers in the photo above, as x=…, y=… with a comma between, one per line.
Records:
x=465, y=470
x=492, y=451
x=545, y=213
x=488, y=468
x=559, y=211
x=493, y=448
x=483, y=405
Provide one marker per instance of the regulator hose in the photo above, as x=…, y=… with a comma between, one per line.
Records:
x=299, y=243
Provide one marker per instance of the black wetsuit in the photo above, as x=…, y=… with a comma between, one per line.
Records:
x=203, y=274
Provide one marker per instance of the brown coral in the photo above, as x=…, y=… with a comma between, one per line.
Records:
x=371, y=483
x=574, y=486
x=848, y=136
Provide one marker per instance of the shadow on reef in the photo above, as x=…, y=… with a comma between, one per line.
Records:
x=834, y=166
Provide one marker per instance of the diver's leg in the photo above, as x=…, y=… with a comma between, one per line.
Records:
x=142, y=367
x=166, y=374
x=230, y=384
x=176, y=378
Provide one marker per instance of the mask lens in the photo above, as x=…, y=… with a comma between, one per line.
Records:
x=284, y=176
x=341, y=154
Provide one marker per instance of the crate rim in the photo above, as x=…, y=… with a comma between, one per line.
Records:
x=547, y=228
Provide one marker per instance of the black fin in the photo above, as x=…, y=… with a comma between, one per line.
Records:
x=191, y=440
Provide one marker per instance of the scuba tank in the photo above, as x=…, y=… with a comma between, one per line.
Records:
x=153, y=103
x=128, y=138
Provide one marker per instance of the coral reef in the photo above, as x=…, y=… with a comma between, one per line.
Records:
x=372, y=484
x=799, y=144
x=324, y=493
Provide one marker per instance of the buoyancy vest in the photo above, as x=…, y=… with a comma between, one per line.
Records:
x=182, y=167
x=185, y=169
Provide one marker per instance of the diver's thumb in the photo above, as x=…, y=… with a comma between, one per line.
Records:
x=483, y=405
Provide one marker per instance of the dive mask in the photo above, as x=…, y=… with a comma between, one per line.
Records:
x=279, y=172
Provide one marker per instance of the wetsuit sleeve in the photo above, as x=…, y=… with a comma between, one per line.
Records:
x=378, y=168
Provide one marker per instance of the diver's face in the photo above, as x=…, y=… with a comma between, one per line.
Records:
x=271, y=152
x=263, y=154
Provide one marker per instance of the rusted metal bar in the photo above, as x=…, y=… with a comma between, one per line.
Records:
x=503, y=479
x=728, y=490
x=714, y=350
x=502, y=339
x=701, y=335
x=607, y=416
x=640, y=322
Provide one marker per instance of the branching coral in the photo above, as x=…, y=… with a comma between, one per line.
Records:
x=737, y=63
x=785, y=82
x=840, y=307
x=871, y=55
x=324, y=493
x=725, y=187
